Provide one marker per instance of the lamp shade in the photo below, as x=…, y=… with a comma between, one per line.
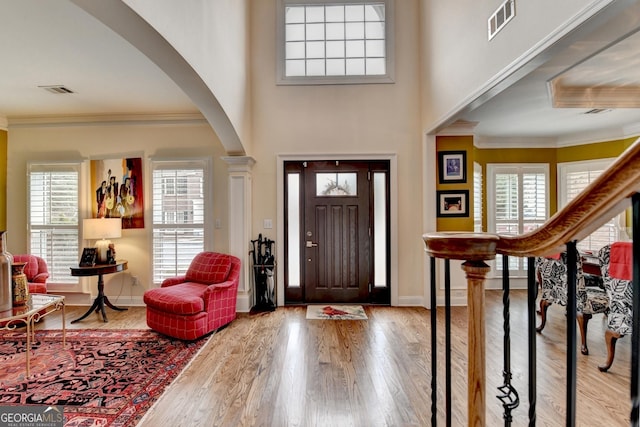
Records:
x=102, y=228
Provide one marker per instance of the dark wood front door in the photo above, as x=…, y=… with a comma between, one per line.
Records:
x=336, y=239
x=336, y=232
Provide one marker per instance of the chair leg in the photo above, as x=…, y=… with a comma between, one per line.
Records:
x=583, y=321
x=544, y=305
x=610, y=339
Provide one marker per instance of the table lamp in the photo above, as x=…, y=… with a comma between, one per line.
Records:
x=102, y=229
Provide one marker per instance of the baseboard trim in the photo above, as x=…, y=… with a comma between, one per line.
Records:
x=414, y=301
x=77, y=299
x=244, y=303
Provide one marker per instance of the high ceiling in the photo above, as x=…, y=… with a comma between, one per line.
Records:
x=553, y=97
x=55, y=43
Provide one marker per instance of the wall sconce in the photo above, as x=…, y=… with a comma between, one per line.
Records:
x=102, y=229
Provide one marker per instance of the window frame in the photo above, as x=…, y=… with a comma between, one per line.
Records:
x=520, y=168
x=200, y=163
x=68, y=283
x=282, y=79
x=563, y=169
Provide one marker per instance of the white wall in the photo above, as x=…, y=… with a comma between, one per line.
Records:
x=212, y=35
x=460, y=62
x=84, y=141
x=343, y=119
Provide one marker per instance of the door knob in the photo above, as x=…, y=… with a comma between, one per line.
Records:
x=310, y=244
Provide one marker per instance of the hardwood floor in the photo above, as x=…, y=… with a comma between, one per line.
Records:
x=279, y=369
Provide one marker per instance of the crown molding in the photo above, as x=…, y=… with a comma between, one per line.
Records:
x=517, y=142
x=458, y=128
x=102, y=119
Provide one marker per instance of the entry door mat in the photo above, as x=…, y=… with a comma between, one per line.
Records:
x=102, y=378
x=336, y=312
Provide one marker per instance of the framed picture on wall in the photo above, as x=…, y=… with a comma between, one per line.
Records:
x=453, y=203
x=118, y=190
x=452, y=167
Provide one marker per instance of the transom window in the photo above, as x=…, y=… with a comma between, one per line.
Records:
x=332, y=41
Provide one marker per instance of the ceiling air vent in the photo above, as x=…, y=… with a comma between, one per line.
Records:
x=59, y=89
x=598, y=111
x=500, y=17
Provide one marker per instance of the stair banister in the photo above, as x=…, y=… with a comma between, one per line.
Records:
x=603, y=199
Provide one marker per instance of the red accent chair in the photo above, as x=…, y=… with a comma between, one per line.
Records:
x=36, y=271
x=202, y=300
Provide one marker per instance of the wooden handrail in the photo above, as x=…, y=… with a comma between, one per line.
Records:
x=604, y=198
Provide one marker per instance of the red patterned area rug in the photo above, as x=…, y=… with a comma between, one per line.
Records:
x=102, y=378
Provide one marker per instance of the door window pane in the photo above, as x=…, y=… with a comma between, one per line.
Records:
x=380, y=229
x=336, y=184
x=293, y=229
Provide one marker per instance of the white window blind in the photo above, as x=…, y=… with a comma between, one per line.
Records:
x=575, y=177
x=517, y=202
x=178, y=216
x=477, y=197
x=53, y=218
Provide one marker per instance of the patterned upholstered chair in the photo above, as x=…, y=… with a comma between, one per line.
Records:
x=36, y=271
x=620, y=294
x=194, y=304
x=552, y=276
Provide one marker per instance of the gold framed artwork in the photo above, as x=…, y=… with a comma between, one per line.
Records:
x=118, y=186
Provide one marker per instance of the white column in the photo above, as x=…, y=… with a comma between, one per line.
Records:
x=240, y=224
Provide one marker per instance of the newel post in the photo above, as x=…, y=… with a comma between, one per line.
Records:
x=474, y=249
x=476, y=272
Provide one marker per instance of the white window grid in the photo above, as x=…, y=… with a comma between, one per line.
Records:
x=335, y=42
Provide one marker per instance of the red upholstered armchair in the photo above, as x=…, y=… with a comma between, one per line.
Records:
x=201, y=301
x=36, y=271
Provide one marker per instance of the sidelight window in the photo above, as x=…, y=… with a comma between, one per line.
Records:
x=293, y=230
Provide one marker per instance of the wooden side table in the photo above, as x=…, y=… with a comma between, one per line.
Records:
x=100, y=301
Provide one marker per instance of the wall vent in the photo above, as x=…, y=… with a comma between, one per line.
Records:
x=598, y=111
x=58, y=89
x=500, y=17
